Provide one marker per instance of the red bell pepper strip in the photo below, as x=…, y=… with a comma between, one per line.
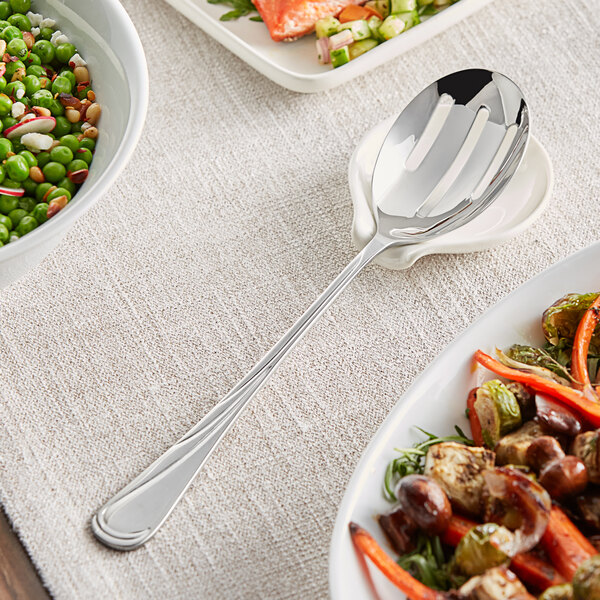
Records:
x=588, y=409
x=581, y=346
x=530, y=569
x=413, y=588
x=474, y=419
x=565, y=545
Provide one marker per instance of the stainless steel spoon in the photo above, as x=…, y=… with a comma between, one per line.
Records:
x=446, y=158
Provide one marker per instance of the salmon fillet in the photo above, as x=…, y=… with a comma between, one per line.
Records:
x=287, y=20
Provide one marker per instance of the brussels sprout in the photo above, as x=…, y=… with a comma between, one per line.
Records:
x=476, y=553
x=586, y=581
x=498, y=411
x=558, y=592
x=536, y=360
x=560, y=320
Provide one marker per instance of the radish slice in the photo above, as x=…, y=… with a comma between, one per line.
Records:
x=37, y=141
x=17, y=192
x=37, y=125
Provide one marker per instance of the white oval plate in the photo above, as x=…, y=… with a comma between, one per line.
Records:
x=436, y=402
x=515, y=209
x=294, y=65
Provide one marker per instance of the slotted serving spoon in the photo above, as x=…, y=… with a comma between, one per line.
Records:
x=445, y=159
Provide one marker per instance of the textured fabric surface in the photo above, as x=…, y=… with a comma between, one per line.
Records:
x=233, y=214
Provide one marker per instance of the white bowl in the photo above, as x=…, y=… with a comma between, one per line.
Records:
x=106, y=38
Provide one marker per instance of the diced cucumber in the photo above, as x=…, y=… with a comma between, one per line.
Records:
x=361, y=47
x=359, y=29
x=391, y=27
x=340, y=56
x=326, y=27
x=381, y=6
x=400, y=6
x=410, y=18
x=374, y=25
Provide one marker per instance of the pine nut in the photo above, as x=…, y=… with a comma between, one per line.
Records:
x=81, y=74
x=72, y=115
x=92, y=132
x=36, y=174
x=93, y=113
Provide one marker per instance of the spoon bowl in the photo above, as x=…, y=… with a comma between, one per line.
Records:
x=448, y=155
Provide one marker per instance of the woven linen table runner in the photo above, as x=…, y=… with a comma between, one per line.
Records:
x=232, y=216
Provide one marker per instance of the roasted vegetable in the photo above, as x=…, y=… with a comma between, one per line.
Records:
x=581, y=346
x=459, y=470
x=586, y=581
x=542, y=451
x=525, y=397
x=497, y=410
x=564, y=477
x=480, y=549
x=425, y=502
x=556, y=417
x=589, y=509
x=586, y=446
x=535, y=360
x=558, y=592
x=400, y=530
x=519, y=494
x=560, y=320
x=495, y=584
x=512, y=448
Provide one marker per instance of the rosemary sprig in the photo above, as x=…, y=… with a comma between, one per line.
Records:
x=241, y=8
x=412, y=460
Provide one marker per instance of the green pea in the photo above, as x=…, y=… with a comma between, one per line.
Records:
x=84, y=154
x=32, y=60
x=2, y=173
x=5, y=220
x=76, y=127
x=32, y=84
x=29, y=185
x=42, y=190
x=43, y=158
x=36, y=70
x=17, y=167
x=57, y=109
x=88, y=144
x=62, y=127
x=59, y=192
x=70, y=141
x=2, y=84
x=21, y=6
x=76, y=165
x=8, y=203
x=12, y=67
x=17, y=47
x=16, y=215
x=20, y=20
x=29, y=157
x=14, y=237
x=3, y=234
x=64, y=52
x=46, y=34
x=26, y=225
x=27, y=203
x=68, y=185
x=9, y=122
x=61, y=154
x=10, y=33
x=5, y=105
x=5, y=147
x=69, y=75
x=43, y=48
x=40, y=212
x=13, y=87
x=46, y=83
x=5, y=10
x=41, y=98
x=10, y=183
x=54, y=171
x=61, y=85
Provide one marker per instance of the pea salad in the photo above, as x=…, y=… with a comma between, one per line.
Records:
x=48, y=117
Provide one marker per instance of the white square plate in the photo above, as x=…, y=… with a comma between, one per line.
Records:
x=294, y=65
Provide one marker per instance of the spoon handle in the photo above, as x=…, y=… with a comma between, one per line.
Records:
x=134, y=515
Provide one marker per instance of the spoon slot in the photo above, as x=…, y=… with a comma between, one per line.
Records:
x=457, y=165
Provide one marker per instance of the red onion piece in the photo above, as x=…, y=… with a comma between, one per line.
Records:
x=341, y=39
x=323, y=51
x=529, y=499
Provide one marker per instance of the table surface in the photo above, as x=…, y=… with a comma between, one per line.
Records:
x=232, y=216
